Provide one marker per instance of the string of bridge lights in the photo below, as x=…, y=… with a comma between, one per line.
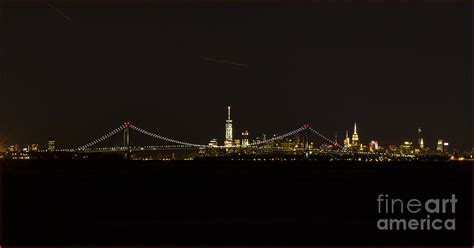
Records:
x=324, y=137
x=164, y=138
x=97, y=141
x=278, y=137
x=187, y=144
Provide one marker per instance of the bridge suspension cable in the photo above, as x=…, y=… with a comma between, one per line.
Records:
x=277, y=137
x=97, y=141
x=156, y=136
x=324, y=137
x=187, y=144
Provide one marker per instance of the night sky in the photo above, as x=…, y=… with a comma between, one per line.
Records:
x=77, y=70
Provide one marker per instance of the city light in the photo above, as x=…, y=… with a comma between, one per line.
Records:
x=298, y=141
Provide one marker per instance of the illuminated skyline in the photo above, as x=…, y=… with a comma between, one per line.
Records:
x=246, y=140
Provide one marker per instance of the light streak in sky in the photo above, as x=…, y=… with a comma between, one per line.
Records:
x=225, y=62
x=60, y=12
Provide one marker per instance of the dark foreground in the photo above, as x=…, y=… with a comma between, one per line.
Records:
x=222, y=203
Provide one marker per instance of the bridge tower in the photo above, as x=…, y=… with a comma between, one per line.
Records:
x=306, y=141
x=126, y=138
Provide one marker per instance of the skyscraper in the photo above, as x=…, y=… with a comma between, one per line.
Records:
x=347, y=140
x=51, y=144
x=420, y=138
x=355, y=137
x=406, y=147
x=440, y=146
x=228, y=130
x=245, y=138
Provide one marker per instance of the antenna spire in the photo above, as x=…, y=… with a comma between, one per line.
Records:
x=228, y=112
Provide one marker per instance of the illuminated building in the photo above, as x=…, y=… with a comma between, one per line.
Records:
x=298, y=142
x=324, y=148
x=347, y=140
x=245, y=138
x=355, y=137
x=213, y=143
x=440, y=146
x=406, y=147
x=34, y=147
x=236, y=142
x=373, y=145
x=51, y=144
x=257, y=140
x=228, y=129
x=11, y=148
x=393, y=149
x=288, y=144
x=445, y=146
x=421, y=144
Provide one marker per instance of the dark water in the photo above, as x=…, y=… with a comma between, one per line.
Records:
x=225, y=203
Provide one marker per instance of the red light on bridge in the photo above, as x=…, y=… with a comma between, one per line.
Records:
x=306, y=125
x=127, y=123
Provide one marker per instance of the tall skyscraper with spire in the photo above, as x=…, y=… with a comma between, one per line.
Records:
x=347, y=140
x=355, y=137
x=228, y=129
x=421, y=144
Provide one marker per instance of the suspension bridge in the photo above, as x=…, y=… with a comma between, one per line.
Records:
x=173, y=144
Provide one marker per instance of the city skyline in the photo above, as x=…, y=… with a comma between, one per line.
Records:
x=230, y=140
x=322, y=64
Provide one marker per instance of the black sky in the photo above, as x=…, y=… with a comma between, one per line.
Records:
x=391, y=67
